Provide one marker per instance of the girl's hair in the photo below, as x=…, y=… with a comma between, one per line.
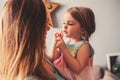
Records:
x=23, y=25
x=85, y=17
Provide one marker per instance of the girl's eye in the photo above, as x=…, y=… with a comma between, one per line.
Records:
x=70, y=24
x=64, y=23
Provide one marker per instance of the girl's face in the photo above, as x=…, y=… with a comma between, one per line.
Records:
x=71, y=27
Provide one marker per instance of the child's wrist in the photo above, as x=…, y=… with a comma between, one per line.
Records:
x=54, y=42
x=63, y=48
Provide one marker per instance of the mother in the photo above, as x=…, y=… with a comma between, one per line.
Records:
x=23, y=31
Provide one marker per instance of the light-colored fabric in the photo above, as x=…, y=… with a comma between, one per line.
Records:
x=98, y=71
x=109, y=76
x=86, y=74
x=103, y=74
x=31, y=78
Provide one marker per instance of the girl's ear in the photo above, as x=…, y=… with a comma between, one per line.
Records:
x=82, y=31
x=84, y=34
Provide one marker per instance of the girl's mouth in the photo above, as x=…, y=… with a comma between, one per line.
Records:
x=64, y=31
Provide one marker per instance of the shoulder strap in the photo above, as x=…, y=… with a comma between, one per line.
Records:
x=51, y=64
x=82, y=43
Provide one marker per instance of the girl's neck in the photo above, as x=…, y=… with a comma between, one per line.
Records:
x=74, y=41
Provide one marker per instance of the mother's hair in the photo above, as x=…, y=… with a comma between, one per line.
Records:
x=23, y=24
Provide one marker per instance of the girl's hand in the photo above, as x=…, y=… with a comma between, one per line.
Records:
x=57, y=37
x=60, y=43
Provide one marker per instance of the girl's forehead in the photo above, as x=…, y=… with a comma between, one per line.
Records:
x=67, y=16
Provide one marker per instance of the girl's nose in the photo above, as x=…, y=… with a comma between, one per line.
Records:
x=65, y=26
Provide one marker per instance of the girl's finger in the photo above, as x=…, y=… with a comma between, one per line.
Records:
x=56, y=34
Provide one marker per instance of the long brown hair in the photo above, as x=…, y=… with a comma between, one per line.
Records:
x=23, y=39
x=86, y=18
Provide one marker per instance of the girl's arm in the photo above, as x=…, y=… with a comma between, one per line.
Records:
x=54, y=51
x=76, y=63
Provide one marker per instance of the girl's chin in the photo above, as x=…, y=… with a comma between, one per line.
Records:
x=65, y=35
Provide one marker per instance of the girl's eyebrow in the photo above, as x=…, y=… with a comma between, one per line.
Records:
x=67, y=21
x=70, y=22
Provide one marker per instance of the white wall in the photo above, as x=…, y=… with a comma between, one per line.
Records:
x=106, y=38
x=2, y=3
